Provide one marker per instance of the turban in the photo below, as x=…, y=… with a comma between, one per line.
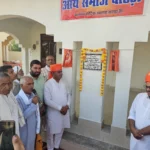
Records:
x=16, y=69
x=54, y=68
x=147, y=78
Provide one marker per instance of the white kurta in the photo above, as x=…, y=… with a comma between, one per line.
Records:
x=9, y=109
x=56, y=96
x=140, y=112
x=45, y=72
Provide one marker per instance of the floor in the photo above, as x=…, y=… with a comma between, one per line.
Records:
x=67, y=145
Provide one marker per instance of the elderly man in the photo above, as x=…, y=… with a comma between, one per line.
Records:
x=139, y=119
x=9, y=108
x=29, y=105
x=57, y=100
x=50, y=60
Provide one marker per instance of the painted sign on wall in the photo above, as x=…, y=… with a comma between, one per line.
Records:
x=79, y=9
x=93, y=62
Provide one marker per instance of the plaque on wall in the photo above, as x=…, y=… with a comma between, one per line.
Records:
x=92, y=62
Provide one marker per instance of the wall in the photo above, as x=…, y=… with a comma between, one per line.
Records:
x=18, y=28
x=3, y=37
x=36, y=30
x=141, y=65
x=58, y=56
x=14, y=56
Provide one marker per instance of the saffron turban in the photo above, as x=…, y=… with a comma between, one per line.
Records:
x=54, y=68
x=147, y=77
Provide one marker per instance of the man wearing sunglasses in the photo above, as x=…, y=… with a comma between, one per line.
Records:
x=139, y=119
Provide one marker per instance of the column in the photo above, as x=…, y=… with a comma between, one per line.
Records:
x=7, y=52
x=91, y=103
x=68, y=75
x=1, y=54
x=24, y=64
x=122, y=86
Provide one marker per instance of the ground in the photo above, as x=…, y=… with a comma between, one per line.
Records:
x=67, y=145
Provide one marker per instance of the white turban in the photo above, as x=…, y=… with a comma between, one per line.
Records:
x=16, y=69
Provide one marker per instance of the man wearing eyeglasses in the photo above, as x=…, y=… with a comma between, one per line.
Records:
x=139, y=119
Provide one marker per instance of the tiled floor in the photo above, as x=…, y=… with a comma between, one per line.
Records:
x=67, y=145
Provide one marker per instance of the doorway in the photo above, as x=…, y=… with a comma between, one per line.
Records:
x=48, y=47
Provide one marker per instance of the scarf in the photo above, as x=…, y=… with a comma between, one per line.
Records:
x=28, y=101
x=20, y=114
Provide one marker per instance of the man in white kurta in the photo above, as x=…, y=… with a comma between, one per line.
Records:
x=57, y=100
x=9, y=108
x=139, y=119
x=50, y=60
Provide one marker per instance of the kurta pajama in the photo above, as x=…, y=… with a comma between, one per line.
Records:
x=9, y=110
x=29, y=130
x=45, y=72
x=56, y=96
x=140, y=113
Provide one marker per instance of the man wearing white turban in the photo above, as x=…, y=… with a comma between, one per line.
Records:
x=16, y=83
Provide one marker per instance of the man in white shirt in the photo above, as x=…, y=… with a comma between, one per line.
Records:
x=57, y=99
x=50, y=60
x=9, y=109
x=139, y=119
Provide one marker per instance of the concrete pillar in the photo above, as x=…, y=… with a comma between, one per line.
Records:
x=24, y=60
x=7, y=52
x=68, y=75
x=91, y=103
x=29, y=53
x=122, y=86
x=1, y=54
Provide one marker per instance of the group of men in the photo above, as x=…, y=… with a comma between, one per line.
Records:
x=41, y=98
x=38, y=99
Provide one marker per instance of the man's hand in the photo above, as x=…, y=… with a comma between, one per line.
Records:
x=35, y=100
x=64, y=110
x=136, y=133
x=17, y=143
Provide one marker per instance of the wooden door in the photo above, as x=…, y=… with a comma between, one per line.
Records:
x=48, y=47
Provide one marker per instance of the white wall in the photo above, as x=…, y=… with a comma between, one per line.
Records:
x=18, y=28
x=141, y=65
x=3, y=37
x=14, y=56
x=58, y=56
x=36, y=30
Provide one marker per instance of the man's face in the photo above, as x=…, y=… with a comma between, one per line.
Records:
x=57, y=75
x=5, y=85
x=50, y=60
x=28, y=86
x=12, y=75
x=36, y=70
x=148, y=88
